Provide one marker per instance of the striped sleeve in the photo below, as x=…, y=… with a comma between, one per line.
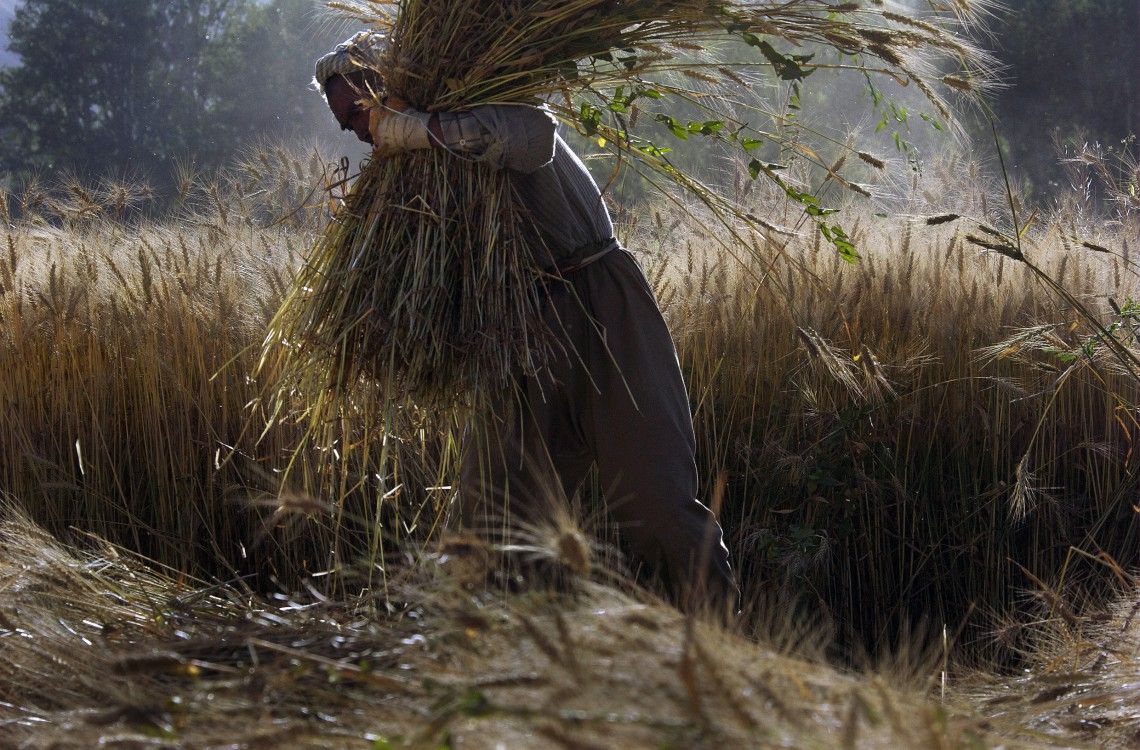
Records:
x=505, y=136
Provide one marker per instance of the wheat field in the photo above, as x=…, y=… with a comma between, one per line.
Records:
x=923, y=463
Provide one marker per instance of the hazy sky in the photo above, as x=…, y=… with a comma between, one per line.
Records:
x=7, y=7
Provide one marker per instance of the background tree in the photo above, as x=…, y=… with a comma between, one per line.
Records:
x=104, y=83
x=1074, y=70
x=130, y=85
x=257, y=75
x=113, y=85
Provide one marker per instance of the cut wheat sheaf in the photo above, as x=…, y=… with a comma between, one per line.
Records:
x=427, y=279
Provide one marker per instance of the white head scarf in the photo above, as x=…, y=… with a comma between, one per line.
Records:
x=365, y=50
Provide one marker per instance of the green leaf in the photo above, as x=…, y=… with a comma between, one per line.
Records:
x=674, y=126
x=934, y=123
x=837, y=237
x=474, y=703
x=652, y=150
x=787, y=67
x=751, y=144
x=755, y=167
x=1064, y=357
x=590, y=117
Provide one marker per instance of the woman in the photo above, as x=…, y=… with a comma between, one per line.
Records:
x=615, y=395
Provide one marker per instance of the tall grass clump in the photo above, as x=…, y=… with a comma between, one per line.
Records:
x=921, y=435
x=916, y=439
x=129, y=408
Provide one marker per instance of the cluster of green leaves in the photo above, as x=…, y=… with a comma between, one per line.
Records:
x=621, y=105
x=897, y=118
x=787, y=67
x=1124, y=326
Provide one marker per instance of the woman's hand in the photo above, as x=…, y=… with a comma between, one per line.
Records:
x=391, y=124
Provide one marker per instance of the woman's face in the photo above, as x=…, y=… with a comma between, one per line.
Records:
x=344, y=101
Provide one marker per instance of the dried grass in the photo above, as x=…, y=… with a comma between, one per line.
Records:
x=96, y=648
x=912, y=429
x=931, y=443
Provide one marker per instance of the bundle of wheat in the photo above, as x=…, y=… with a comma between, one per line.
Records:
x=426, y=279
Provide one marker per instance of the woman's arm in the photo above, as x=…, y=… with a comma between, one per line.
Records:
x=504, y=136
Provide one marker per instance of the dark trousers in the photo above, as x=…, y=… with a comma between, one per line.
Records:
x=614, y=397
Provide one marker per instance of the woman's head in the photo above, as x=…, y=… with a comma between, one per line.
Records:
x=350, y=74
x=362, y=54
x=345, y=95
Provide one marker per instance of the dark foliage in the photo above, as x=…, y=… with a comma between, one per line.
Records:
x=1074, y=70
x=114, y=86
